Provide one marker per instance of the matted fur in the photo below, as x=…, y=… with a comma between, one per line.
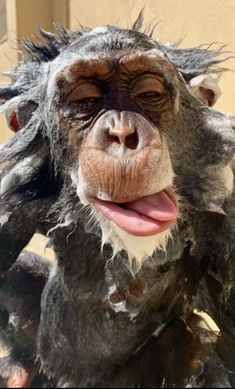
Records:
x=97, y=314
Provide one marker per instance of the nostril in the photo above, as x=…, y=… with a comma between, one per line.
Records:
x=114, y=139
x=132, y=141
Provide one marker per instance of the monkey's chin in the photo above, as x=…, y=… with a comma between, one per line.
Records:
x=146, y=216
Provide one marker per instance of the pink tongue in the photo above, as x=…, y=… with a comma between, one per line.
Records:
x=159, y=207
x=146, y=216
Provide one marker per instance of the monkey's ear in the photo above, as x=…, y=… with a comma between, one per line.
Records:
x=12, y=121
x=205, y=88
x=18, y=116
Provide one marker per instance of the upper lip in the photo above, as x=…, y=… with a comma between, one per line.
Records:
x=169, y=190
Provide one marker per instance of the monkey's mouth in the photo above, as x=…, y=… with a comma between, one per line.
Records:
x=146, y=216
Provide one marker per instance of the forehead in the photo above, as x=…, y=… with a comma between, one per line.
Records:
x=112, y=39
x=106, y=50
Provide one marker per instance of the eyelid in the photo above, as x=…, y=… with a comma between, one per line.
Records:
x=84, y=91
x=148, y=84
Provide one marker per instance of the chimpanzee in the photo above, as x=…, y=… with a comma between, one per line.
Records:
x=120, y=160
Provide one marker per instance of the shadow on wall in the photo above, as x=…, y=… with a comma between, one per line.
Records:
x=3, y=20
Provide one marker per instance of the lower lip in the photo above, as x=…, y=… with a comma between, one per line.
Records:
x=132, y=222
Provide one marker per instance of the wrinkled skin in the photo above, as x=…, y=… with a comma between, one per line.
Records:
x=105, y=323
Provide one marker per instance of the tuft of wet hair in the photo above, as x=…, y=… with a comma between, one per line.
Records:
x=138, y=24
x=190, y=62
x=52, y=45
x=195, y=61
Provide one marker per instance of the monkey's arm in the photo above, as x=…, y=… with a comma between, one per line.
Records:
x=20, y=297
x=16, y=230
x=18, y=223
x=217, y=294
x=26, y=187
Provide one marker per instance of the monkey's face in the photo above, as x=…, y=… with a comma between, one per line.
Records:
x=114, y=103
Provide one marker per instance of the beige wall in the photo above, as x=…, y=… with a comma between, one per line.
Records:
x=34, y=13
x=3, y=22
x=8, y=58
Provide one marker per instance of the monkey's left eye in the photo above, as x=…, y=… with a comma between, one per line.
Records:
x=149, y=95
x=148, y=88
x=86, y=96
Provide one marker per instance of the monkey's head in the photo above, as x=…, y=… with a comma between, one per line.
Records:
x=112, y=99
x=125, y=131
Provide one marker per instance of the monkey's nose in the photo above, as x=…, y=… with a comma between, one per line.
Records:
x=125, y=135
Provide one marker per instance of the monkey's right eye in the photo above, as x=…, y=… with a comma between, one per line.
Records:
x=87, y=104
x=85, y=97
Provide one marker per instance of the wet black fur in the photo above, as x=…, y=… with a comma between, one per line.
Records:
x=80, y=340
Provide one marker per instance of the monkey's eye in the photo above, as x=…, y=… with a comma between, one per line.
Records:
x=148, y=89
x=147, y=95
x=87, y=104
x=85, y=97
